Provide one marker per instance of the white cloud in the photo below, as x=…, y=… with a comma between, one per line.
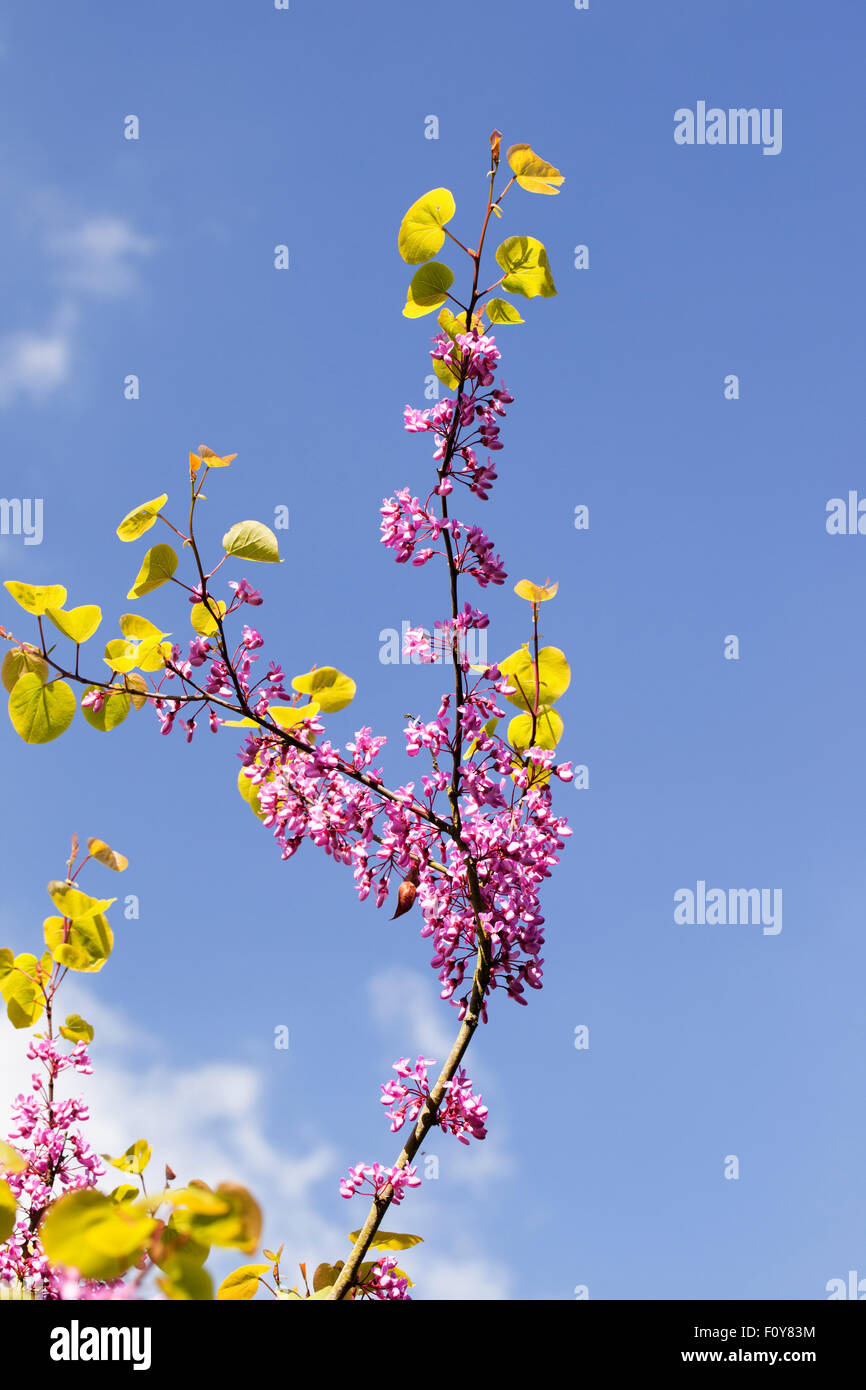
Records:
x=35, y=365
x=405, y=1003
x=98, y=257
x=470, y=1279
x=206, y=1120
x=88, y=259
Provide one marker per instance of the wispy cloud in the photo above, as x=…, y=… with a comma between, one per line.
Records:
x=87, y=260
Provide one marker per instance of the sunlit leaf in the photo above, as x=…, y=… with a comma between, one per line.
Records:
x=184, y=1279
x=115, y=708
x=241, y=1284
x=330, y=687
x=202, y=617
x=533, y=173
x=421, y=234
x=389, y=1240
x=554, y=676
x=40, y=713
x=36, y=598
x=252, y=540
x=500, y=311
x=134, y=1160
x=11, y=1161
x=89, y=1232
x=20, y=660
x=135, y=626
x=213, y=460
x=78, y=624
x=136, y=522
x=236, y=1223
x=8, y=1210
x=83, y=946
x=428, y=289
x=107, y=856
x=548, y=730
x=77, y=1029
x=19, y=986
x=75, y=904
x=535, y=593
x=287, y=716
x=157, y=568
x=527, y=271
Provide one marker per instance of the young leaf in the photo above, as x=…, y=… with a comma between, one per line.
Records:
x=331, y=689
x=527, y=271
x=78, y=624
x=535, y=593
x=83, y=946
x=215, y=460
x=89, y=1232
x=428, y=289
x=20, y=660
x=40, y=713
x=241, y=1284
x=134, y=1160
x=136, y=522
x=74, y=904
x=114, y=709
x=554, y=675
x=77, y=1029
x=548, y=730
x=421, y=234
x=500, y=311
x=389, y=1240
x=8, y=1210
x=533, y=173
x=36, y=598
x=157, y=568
x=107, y=856
x=252, y=540
x=202, y=617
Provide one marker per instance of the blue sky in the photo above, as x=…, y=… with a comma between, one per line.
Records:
x=604, y=1167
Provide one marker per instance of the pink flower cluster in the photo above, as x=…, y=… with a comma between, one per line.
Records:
x=460, y=1113
x=383, y=1282
x=373, y=1178
x=58, y=1160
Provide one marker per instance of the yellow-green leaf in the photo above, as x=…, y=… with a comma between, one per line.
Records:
x=185, y=1280
x=83, y=946
x=134, y=1160
x=8, y=1210
x=36, y=598
x=241, y=1284
x=20, y=660
x=78, y=624
x=135, y=626
x=73, y=903
x=289, y=715
x=202, y=617
x=554, y=676
x=421, y=234
x=252, y=540
x=533, y=173
x=213, y=460
x=428, y=289
x=40, y=713
x=107, y=856
x=330, y=687
x=250, y=792
x=389, y=1240
x=137, y=687
x=77, y=1029
x=548, y=730
x=19, y=976
x=527, y=271
x=136, y=522
x=87, y=1231
x=11, y=1161
x=236, y=1223
x=115, y=708
x=535, y=593
x=157, y=568
x=500, y=311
